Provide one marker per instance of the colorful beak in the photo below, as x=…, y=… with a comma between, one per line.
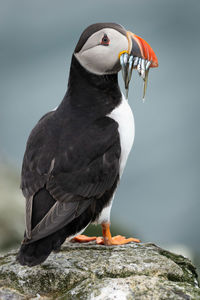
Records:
x=139, y=56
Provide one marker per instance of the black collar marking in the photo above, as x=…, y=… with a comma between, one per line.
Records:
x=89, y=95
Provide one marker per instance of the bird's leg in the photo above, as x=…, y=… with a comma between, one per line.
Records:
x=81, y=238
x=116, y=240
x=107, y=238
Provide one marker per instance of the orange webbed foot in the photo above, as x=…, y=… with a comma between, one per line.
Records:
x=116, y=240
x=107, y=239
x=81, y=238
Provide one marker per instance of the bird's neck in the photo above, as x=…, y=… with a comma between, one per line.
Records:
x=94, y=95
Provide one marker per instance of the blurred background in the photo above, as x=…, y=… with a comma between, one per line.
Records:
x=158, y=198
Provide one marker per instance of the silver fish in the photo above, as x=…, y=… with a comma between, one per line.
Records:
x=148, y=63
x=143, y=69
x=123, y=66
x=125, y=57
x=130, y=67
x=139, y=67
x=136, y=59
x=145, y=81
x=129, y=74
x=128, y=62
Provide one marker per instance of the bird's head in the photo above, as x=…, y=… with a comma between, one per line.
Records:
x=107, y=48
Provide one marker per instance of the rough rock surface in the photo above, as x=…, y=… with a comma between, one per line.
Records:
x=11, y=207
x=89, y=271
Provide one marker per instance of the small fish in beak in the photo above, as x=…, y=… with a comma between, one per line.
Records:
x=128, y=63
x=139, y=56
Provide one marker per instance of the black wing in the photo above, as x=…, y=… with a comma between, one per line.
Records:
x=74, y=170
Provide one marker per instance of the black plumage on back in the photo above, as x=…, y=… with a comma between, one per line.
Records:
x=71, y=164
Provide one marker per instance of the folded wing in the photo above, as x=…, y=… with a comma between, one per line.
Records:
x=75, y=172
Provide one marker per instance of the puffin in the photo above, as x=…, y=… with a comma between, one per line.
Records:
x=76, y=154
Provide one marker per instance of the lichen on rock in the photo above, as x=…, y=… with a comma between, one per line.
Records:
x=90, y=271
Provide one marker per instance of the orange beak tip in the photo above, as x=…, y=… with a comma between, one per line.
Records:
x=145, y=49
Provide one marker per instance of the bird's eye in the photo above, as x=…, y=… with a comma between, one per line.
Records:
x=105, y=40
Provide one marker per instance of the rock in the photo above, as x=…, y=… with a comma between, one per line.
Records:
x=12, y=206
x=90, y=271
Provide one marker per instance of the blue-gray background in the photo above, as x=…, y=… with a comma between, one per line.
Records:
x=158, y=198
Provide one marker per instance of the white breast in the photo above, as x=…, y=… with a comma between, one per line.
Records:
x=124, y=117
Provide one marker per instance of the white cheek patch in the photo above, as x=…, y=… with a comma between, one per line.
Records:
x=100, y=59
x=97, y=59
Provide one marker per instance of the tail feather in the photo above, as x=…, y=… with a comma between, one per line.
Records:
x=37, y=252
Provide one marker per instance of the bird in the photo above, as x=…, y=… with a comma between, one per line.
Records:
x=76, y=154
